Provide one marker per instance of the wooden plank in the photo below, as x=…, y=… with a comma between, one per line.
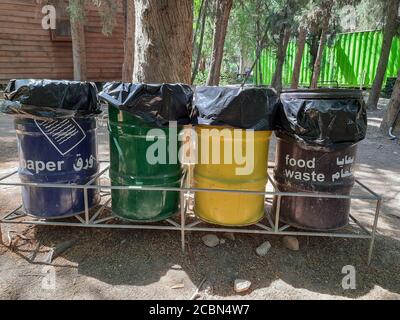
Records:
x=15, y=26
x=19, y=2
x=96, y=39
x=34, y=43
x=65, y=59
x=55, y=54
x=96, y=44
x=60, y=47
x=20, y=13
x=10, y=30
x=39, y=70
x=7, y=19
x=38, y=48
x=15, y=7
x=27, y=54
x=22, y=36
x=42, y=75
x=30, y=64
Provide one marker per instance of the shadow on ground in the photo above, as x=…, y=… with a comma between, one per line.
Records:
x=142, y=258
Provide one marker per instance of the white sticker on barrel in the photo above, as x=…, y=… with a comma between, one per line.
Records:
x=64, y=135
x=305, y=170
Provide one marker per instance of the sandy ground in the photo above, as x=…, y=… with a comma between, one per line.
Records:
x=127, y=264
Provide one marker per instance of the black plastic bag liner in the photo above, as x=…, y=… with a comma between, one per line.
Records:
x=31, y=98
x=325, y=118
x=244, y=108
x=156, y=104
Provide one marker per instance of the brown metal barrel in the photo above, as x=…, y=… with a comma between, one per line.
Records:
x=302, y=169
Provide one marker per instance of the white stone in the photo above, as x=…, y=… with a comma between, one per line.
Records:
x=178, y=286
x=242, y=285
x=263, y=249
x=210, y=240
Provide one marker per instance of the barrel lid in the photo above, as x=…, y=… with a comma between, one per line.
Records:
x=154, y=104
x=316, y=94
x=250, y=107
x=324, y=118
x=50, y=99
x=268, y=89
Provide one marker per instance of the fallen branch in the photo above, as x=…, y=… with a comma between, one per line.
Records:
x=196, y=293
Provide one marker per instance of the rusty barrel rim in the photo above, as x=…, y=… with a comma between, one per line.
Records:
x=322, y=94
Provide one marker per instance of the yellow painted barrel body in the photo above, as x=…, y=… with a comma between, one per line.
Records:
x=231, y=209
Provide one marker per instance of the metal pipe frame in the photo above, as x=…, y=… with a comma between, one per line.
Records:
x=102, y=216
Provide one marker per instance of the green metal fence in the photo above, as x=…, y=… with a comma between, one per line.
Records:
x=351, y=60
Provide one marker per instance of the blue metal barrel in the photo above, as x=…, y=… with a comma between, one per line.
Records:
x=59, y=152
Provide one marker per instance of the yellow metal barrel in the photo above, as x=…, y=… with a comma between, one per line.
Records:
x=230, y=209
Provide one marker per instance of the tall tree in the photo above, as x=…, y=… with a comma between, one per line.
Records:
x=77, y=11
x=301, y=23
x=392, y=115
x=284, y=38
x=326, y=7
x=388, y=34
x=259, y=48
x=223, y=9
x=197, y=8
x=129, y=43
x=320, y=19
x=282, y=23
x=301, y=41
x=198, y=48
x=163, y=37
x=77, y=16
x=247, y=34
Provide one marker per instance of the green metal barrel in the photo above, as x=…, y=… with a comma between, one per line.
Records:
x=130, y=140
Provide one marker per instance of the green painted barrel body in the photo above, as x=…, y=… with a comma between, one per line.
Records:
x=130, y=140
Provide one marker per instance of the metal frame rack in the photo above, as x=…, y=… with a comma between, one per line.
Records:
x=102, y=217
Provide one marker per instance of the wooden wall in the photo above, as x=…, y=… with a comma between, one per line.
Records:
x=27, y=51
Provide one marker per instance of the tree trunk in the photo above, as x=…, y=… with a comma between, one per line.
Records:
x=320, y=54
x=389, y=32
x=301, y=41
x=198, y=22
x=284, y=38
x=78, y=43
x=257, y=62
x=392, y=115
x=200, y=47
x=163, y=38
x=221, y=24
x=314, y=44
x=260, y=72
x=241, y=63
x=202, y=65
x=129, y=43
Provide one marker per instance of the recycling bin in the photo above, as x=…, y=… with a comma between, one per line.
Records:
x=45, y=157
x=233, y=133
x=316, y=153
x=130, y=139
x=231, y=209
x=56, y=133
x=144, y=147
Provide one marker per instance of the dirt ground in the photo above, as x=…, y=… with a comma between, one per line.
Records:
x=129, y=264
